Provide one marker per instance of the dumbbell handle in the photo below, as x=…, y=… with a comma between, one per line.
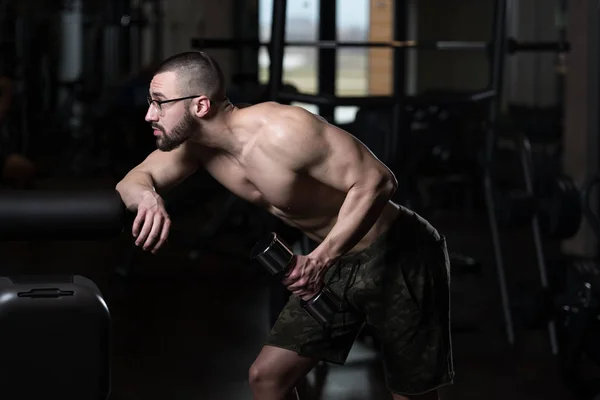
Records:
x=273, y=254
x=276, y=257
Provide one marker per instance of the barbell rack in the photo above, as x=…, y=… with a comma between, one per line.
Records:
x=513, y=45
x=496, y=49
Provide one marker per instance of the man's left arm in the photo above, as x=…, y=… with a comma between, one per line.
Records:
x=362, y=207
x=334, y=157
x=349, y=166
x=337, y=159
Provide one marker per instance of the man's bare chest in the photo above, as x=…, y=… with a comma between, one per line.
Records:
x=290, y=192
x=284, y=192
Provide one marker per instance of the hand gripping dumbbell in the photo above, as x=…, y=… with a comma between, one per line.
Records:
x=276, y=257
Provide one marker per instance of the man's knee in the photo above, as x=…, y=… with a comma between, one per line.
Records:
x=255, y=374
x=277, y=370
x=261, y=375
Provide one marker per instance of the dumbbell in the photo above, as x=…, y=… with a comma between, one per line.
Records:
x=276, y=257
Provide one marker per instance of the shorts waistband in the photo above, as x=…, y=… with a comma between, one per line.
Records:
x=406, y=232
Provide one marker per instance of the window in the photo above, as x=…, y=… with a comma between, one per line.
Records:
x=299, y=63
x=352, y=74
x=352, y=62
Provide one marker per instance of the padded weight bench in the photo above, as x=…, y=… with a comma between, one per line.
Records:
x=55, y=331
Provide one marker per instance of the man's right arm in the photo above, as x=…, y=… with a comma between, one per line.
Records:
x=140, y=187
x=160, y=171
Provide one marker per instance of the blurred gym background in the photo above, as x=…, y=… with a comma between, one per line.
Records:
x=489, y=119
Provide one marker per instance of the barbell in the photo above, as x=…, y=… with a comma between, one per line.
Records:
x=512, y=45
x=557, y=203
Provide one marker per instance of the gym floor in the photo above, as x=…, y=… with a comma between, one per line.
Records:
x=189, y=327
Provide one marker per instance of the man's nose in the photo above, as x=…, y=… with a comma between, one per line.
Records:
x=151, y=115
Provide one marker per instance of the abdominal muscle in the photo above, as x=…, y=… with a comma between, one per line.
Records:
x=318, y=227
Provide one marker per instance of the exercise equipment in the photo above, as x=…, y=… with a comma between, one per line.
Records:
x=578, y=322
x=571, y=300
x=55, y=338
x=528, y=174
x=560, y=210
x=538, y=223
x=57, y=48
x=578, y=309
x=512, y=44
x=497, y=48
x=276, y=257
x=61, y=215
x=590, y=216
x=556, y=201
x=531, y=305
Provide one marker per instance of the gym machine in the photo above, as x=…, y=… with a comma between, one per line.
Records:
x=57, y=46
x=56, y=329
x=550, y=204
x=577, y=309
x=124, y=35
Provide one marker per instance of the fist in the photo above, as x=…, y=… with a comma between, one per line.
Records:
x=152, y=223
x=305, y=277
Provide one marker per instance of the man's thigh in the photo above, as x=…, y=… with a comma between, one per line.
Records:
x=297, y=331
x=412, y=318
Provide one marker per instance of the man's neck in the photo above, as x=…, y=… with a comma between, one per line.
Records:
x=219, y=133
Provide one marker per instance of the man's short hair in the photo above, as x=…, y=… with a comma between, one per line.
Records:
x=198, y=74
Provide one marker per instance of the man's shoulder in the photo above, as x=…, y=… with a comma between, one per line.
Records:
x=277, y=124
x=288, y=115
x=261, y=107
x=273, y=106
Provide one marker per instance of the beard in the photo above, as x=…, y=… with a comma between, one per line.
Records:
x=180, y=134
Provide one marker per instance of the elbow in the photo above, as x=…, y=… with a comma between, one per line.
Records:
x=385, y=185
x=119, y=187
x=388, y=184
x=132, y=184
x=393, y=184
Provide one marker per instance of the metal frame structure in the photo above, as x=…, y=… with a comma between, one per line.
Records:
x=327, y=71
x=496, y=48
x=496, y=58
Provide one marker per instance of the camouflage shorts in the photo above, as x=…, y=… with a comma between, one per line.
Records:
x=399, y=288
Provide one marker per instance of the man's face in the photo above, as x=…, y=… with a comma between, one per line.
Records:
x=172, y=122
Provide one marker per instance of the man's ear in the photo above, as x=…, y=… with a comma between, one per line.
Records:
x=201, y=106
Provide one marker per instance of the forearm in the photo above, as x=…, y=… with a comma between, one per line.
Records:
x=133, y=186
x=359, y=212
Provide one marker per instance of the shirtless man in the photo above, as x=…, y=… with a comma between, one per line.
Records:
x=389, y=265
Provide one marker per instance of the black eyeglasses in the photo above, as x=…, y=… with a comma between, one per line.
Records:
x=158, y=103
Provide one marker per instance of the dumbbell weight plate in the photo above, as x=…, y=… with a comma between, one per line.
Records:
x=272, y=253
x=275, y=255
x=560, y=210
